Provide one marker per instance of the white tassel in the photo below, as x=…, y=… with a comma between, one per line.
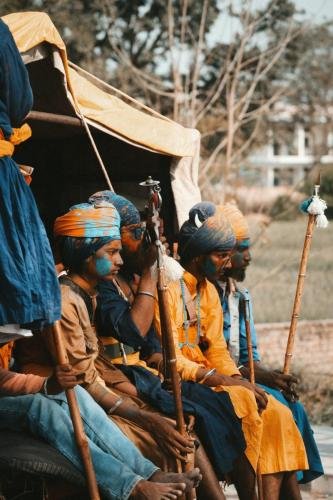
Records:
x=317, y=207
x=173, y=270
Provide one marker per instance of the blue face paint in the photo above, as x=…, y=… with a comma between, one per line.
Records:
x=209, y=268
x=103, y=266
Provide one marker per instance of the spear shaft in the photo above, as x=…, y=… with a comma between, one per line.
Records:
x=299, y=293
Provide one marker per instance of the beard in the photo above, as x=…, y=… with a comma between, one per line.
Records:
x=236, y=274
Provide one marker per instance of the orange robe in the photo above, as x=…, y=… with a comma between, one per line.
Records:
x=273, y=440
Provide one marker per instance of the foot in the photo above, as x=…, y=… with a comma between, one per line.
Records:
x=146, y=490
x=191, y=478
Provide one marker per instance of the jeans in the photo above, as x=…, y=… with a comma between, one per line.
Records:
x=118, y=464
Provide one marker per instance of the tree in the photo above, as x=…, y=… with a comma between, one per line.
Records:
x=167, y=54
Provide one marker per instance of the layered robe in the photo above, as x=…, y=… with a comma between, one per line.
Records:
x=273, y=440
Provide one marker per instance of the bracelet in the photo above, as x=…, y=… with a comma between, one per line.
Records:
x=143, y=292
x=240, y=366
x=44, y=387
x=208, y=374
x=115, y=406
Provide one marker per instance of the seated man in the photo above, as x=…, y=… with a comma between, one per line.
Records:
x=89, y=246
x=275, y=383
x=274, y=445
x=38, y=404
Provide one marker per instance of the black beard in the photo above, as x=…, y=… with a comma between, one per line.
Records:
x=236, y=274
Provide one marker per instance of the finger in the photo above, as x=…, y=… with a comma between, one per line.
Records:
x=65, y=367
x=175, y=453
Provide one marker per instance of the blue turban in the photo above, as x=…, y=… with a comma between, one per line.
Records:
x=207, y=230
x=128, y=212
x=74, y=250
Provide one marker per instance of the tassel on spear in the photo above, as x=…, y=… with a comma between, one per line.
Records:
x=315, y=208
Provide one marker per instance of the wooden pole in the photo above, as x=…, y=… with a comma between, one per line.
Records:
x=246, y=309
x=80, y=437
x=299, y=293
x=154, y=229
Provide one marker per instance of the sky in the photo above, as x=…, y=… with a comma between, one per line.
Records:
x=315, y=11
x=317, y=8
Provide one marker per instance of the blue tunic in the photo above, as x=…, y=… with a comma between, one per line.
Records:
x=29, y=291
x=297, y=409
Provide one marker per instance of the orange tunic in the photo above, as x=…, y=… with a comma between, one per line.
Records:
x=273, y=440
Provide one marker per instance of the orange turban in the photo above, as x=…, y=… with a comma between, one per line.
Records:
x=237, y=221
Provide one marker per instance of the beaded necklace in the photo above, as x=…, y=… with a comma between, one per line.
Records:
x=186, y=321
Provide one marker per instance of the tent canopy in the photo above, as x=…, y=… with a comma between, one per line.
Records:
x=133, y=139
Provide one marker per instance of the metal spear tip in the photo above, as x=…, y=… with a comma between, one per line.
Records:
x=149, y=182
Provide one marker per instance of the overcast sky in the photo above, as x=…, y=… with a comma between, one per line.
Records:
x=320, y=8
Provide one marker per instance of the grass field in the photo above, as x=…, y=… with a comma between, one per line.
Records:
x=273, y=272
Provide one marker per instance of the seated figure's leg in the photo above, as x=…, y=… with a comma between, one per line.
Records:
x=106, y=434
x=44, y=417
x=282, y=447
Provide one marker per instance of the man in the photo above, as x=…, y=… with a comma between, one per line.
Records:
x=38, y=404
x=89, y=246
x=274, y=382
x=274, y=445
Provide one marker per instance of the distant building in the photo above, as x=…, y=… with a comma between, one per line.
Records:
x=293, y=148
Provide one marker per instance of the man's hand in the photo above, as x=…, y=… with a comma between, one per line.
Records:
x=260, y=394
x=285, y=384
x=63, y=378
x=168, y=438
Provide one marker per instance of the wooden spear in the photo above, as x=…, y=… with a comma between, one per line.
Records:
x=168, y=346
x=80, y=437
x=246, y=311
x=300, y=284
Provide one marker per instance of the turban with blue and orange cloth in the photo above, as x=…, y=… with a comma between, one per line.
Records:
x=83, y=230
x=238, y=223
x=207, y=230
x=128, y=212
x=130, y=222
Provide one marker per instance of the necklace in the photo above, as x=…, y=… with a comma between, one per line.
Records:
x=186, y=322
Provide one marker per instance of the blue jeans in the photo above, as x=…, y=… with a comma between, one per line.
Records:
x=118, y=464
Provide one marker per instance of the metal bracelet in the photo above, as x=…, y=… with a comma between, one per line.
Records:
x=44, y=387
x=143, y=292
x=115, y=406
x=207, y=375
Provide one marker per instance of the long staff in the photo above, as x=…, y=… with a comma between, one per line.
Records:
x=168, y=346
x=80, y=437
x=316, y=215
x=246, y=310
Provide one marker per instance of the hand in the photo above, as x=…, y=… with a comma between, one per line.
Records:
x=168, y=438
x=63, y=378
x=285, y=383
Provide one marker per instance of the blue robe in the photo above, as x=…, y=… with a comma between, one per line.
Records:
x=29, y=291
x=297, y=409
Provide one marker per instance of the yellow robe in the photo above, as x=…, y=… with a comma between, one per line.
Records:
x=273, y=440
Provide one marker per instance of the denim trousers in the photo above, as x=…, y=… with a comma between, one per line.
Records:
x=118, y=464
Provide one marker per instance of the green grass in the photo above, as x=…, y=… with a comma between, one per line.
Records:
x=273, y=272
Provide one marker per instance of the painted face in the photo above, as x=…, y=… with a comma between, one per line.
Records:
x=106, y=262
x=240, y=259
x=213, y=264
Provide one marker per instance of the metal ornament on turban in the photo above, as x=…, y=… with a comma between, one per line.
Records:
x=207, y=230
x=238, y=223
x=83, y=230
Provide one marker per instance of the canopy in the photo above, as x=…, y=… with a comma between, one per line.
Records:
x=110, y=110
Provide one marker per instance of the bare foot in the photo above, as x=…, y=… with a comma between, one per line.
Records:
x=191, y=478
x=146, y=490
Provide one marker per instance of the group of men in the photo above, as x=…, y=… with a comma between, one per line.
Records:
x=111, y=330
